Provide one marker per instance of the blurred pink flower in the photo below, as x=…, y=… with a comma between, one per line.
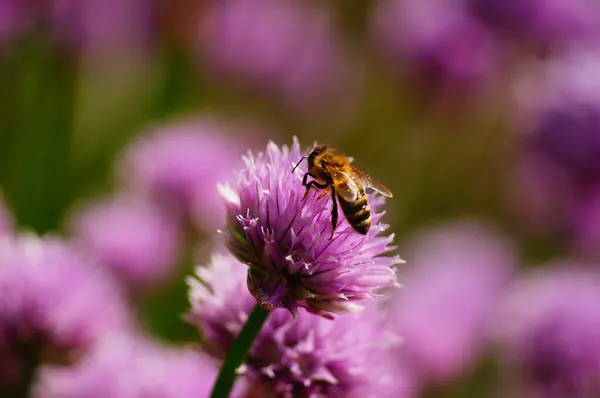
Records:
x=559, y=174
x=549, y=327
x=52, y=299
x=563, y=104
x=131, y=237
x=99, y=25
x=453, y=277
x=89, y=25
x=10, y=19
x=125, y=366
x=441, y=42
x=586, y=223
x=541, y=194
x=548, y=23
x=284, y=47
x=180, y=164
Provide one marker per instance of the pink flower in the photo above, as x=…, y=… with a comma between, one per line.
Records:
x=310, y=356
x=132, y=237
x=453, y=278
x=179, y=166
x=52, y=300
x=125, y=366
x=284, y=240
x=549, y=330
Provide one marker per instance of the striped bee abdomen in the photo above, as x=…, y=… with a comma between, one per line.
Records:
x=358, y=213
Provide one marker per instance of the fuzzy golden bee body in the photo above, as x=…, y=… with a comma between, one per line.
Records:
x=330, y=168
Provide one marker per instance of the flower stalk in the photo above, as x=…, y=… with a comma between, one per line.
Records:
x=238, y=352
x=31, y=362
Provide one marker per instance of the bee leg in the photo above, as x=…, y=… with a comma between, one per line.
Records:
x=305, y=179
x=323, y=193
x=309, y=184
x=334, y=212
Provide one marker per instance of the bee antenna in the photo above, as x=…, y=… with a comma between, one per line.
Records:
x=298, y=164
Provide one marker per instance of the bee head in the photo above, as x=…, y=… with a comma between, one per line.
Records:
x=316, y=151
x=312, y=155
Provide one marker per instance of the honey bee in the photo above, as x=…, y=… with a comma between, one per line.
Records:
x=330, y=168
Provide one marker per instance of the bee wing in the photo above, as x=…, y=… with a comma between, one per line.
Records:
x=345, y=186
x=370, y=182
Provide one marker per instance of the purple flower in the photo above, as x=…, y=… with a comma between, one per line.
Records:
x=310, y=356
x=92, y=25
x=562, y=143
x=97, y=25
x=549, y=326
x=209, y=293
x=124, y=366
x=52, y=300
x=586, y=224
x=545, y=22
x=542, y=194
x=564, y=102
x=19, y=17
x=9, y=19
x=130, y=236
x=442, y=43
x=179, y=165
x=283, y=47
x=285, y=242
x=454, y=276
x=570, y=137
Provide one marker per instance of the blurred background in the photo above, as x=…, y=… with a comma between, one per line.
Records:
x=481, y=116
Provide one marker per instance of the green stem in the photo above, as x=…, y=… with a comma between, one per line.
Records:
x=29, y=372
x=29, y=357
x=237, y=354
x=35, y=171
